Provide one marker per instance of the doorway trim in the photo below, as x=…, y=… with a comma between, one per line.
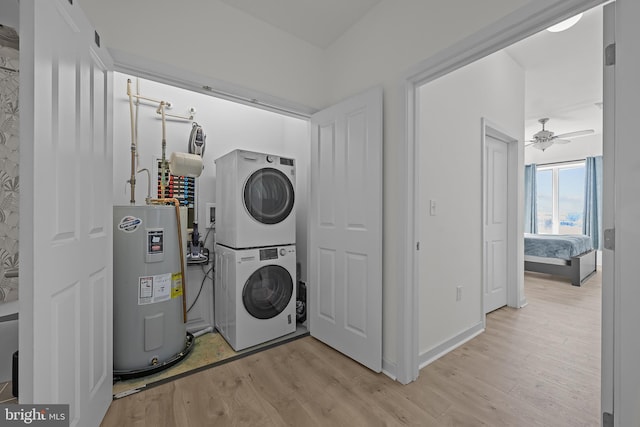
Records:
x=528, y=20
x=515, y=257
x=128, y=63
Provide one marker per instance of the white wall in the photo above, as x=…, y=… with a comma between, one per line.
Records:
x=378, y=50
x=228, y=126
x=214, y=40
x=451, y=109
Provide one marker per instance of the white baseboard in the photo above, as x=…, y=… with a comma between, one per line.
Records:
x=440, y=350
x=389, y=369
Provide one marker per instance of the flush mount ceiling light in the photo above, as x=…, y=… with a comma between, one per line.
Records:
x=565, y=25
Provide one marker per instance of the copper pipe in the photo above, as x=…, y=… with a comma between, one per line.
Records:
x=132, y=179
x=155, y=101
x=175, y=116
x=137, y=120
x=163, y=162
x=135, y=156
x=176, y=202
x=148, y=198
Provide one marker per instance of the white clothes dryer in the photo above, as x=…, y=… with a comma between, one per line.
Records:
x=256, y=200
x=255, y=294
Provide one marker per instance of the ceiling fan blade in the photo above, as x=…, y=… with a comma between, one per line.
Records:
x=561, y=141
x=576, y=134
x=529, y=144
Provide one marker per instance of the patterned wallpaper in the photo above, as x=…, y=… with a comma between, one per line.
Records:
x=9, y=180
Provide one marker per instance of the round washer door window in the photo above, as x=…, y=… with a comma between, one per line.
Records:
x=268, y=196
x=267, y=292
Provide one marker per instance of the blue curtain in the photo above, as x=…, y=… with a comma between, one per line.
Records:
x=592, y=225
x=530, y=195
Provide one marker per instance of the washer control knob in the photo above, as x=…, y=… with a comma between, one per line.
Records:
x=270, y=159
x=283, y=251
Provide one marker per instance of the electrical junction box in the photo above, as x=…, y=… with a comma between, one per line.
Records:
x=210, y=214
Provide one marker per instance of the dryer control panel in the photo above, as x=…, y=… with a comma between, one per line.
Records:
x=267, y=254
x=275, y=253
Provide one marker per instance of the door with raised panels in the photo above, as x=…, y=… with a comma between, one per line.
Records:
x=66, y=347
x=496, y=223
x=345, y=240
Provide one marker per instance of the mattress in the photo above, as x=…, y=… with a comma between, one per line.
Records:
x=563, y=246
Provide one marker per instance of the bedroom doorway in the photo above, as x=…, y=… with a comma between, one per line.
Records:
x=431, y=72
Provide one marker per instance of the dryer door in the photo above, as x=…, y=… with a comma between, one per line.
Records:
x=269, y=196
x=267, y=292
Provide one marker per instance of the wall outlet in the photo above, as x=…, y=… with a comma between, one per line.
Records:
x=210, y=214
x=458, y=293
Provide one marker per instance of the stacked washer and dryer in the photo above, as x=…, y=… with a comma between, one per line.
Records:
x=255, y=292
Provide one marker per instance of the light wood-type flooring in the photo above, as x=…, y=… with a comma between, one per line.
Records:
x=537, y=366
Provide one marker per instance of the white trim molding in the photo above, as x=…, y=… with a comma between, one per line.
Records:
x=164, y=73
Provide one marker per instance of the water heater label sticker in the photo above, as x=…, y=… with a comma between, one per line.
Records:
x=161, y=287
x=152, y=289
x=176, y=285
x=129, y=224
x=146, y=290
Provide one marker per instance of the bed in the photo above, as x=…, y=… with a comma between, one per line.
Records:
x=568, y=255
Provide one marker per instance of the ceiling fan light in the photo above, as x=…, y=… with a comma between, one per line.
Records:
x=565, y=25
x=543, y=145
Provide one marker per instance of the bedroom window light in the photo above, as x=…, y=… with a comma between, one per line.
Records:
x=544, y=200
x=560, y=198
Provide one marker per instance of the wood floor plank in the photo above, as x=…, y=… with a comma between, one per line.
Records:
x=535, y=366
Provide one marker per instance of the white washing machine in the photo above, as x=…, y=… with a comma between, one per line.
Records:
x=255, y=195
x=255, y=294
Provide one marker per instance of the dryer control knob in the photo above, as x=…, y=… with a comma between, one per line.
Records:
x=283, y=251
x=270, y=159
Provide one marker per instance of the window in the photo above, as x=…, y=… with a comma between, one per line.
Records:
x=544, y=214
x=560, y=198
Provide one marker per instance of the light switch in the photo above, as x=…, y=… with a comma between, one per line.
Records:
x=432, y=207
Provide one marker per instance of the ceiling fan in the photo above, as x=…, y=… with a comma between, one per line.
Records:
x=545, y=138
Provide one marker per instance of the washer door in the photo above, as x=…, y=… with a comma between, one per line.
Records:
x=268, y=196
x=267, y=292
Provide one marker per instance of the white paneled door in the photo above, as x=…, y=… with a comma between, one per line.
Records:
x=65, y=228
x=496, y=226
x=345, y=244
